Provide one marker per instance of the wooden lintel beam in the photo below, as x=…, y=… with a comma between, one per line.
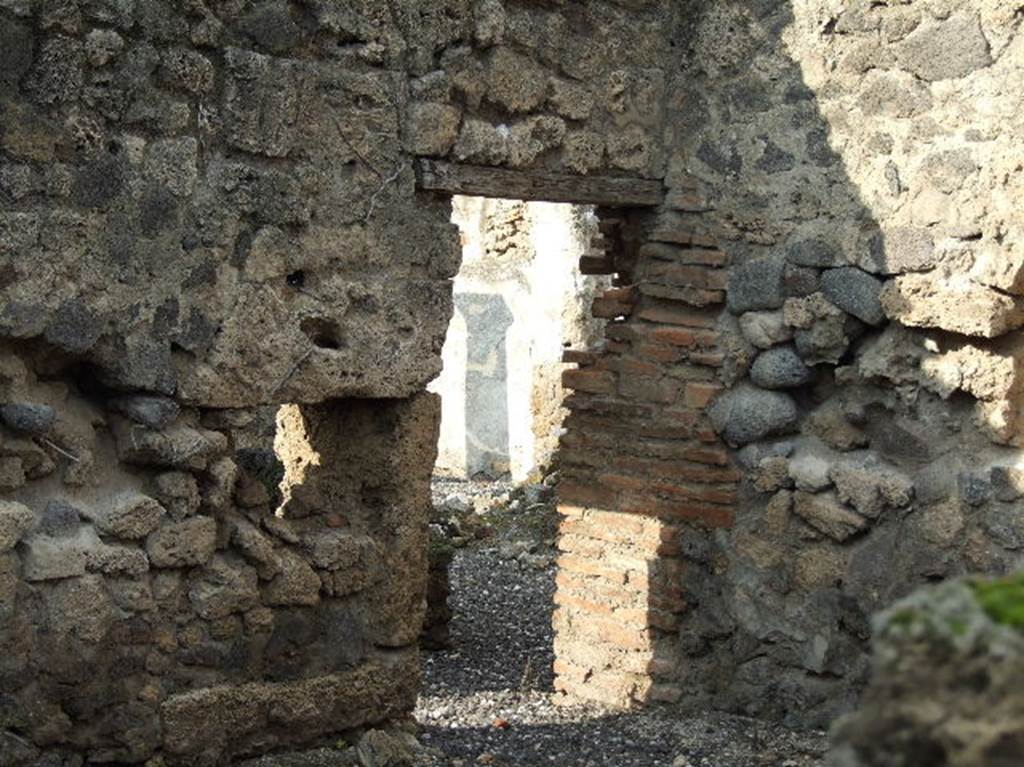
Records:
x=455, y=178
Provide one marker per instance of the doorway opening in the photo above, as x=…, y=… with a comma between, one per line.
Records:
x=521, y=300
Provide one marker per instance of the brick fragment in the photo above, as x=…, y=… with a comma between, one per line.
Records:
x=595, y=382
x=700, y=395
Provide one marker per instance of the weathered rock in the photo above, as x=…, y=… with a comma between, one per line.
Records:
x=746, y=414
x=178, y=491
x=823, y=331
x=810, y=472
x=80, y=609
x=997, y=268
x=226, y=586
x=765, y=329
x=816, y=253
x=28, y=417
x=59, y=519
x=48, y=559
x=177, y=447
x=902, y=249
x=779, y=368
x=757, y=285
x=12, y=473
x=183, y=544
x=15, y=521
x=1007, y=483
x=296, y=583
x=771, y=474
x=117, y=560
x=219, y=488
x=945, y=661
x=928, y=301
x=432, y=128
x=132, y=516
x=377, y=748
x=947, y=49
x=226, y=720
x=871, y=488
x=855, y=292
x=257, y=548
x=334, y=549
x=824, y=513
x=154, y=411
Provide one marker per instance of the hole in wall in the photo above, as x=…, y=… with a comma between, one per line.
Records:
x=324, y=333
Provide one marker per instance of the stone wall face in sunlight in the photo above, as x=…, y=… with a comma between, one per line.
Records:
x=858, y=165
x=811, y=215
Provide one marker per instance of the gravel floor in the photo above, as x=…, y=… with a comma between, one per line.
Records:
x=488, y=699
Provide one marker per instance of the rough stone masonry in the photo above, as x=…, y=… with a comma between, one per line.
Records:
x=807, y=400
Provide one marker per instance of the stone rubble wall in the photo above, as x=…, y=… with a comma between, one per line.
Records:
x=208, y=215
x=857, y=163
x=209, y=210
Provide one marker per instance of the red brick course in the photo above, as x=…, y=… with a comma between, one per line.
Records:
x=640, y=462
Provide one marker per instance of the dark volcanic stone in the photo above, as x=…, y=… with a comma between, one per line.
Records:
x=149, y=409
x=28, y=417
x=60, y=519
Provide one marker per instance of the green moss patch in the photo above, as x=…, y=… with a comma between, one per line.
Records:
x=1003, y=599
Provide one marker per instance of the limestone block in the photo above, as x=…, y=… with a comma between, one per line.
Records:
x=571, y=100
x=263, y=98
x=810, y=471
x=12, y=473
x=827, y=515
x=531, y=138
x=173, y=164
x=222, y=722
x=219, y=487
x=515, y=82
x=15, y=521
x=928, y=301
x=823, y=332
x=150, y=410
x=80, y=608
x=183, y=544
x=334, y=549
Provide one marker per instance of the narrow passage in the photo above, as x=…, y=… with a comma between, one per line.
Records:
x=487, y=700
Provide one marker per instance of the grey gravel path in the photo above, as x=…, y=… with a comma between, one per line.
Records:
x=499, y=671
